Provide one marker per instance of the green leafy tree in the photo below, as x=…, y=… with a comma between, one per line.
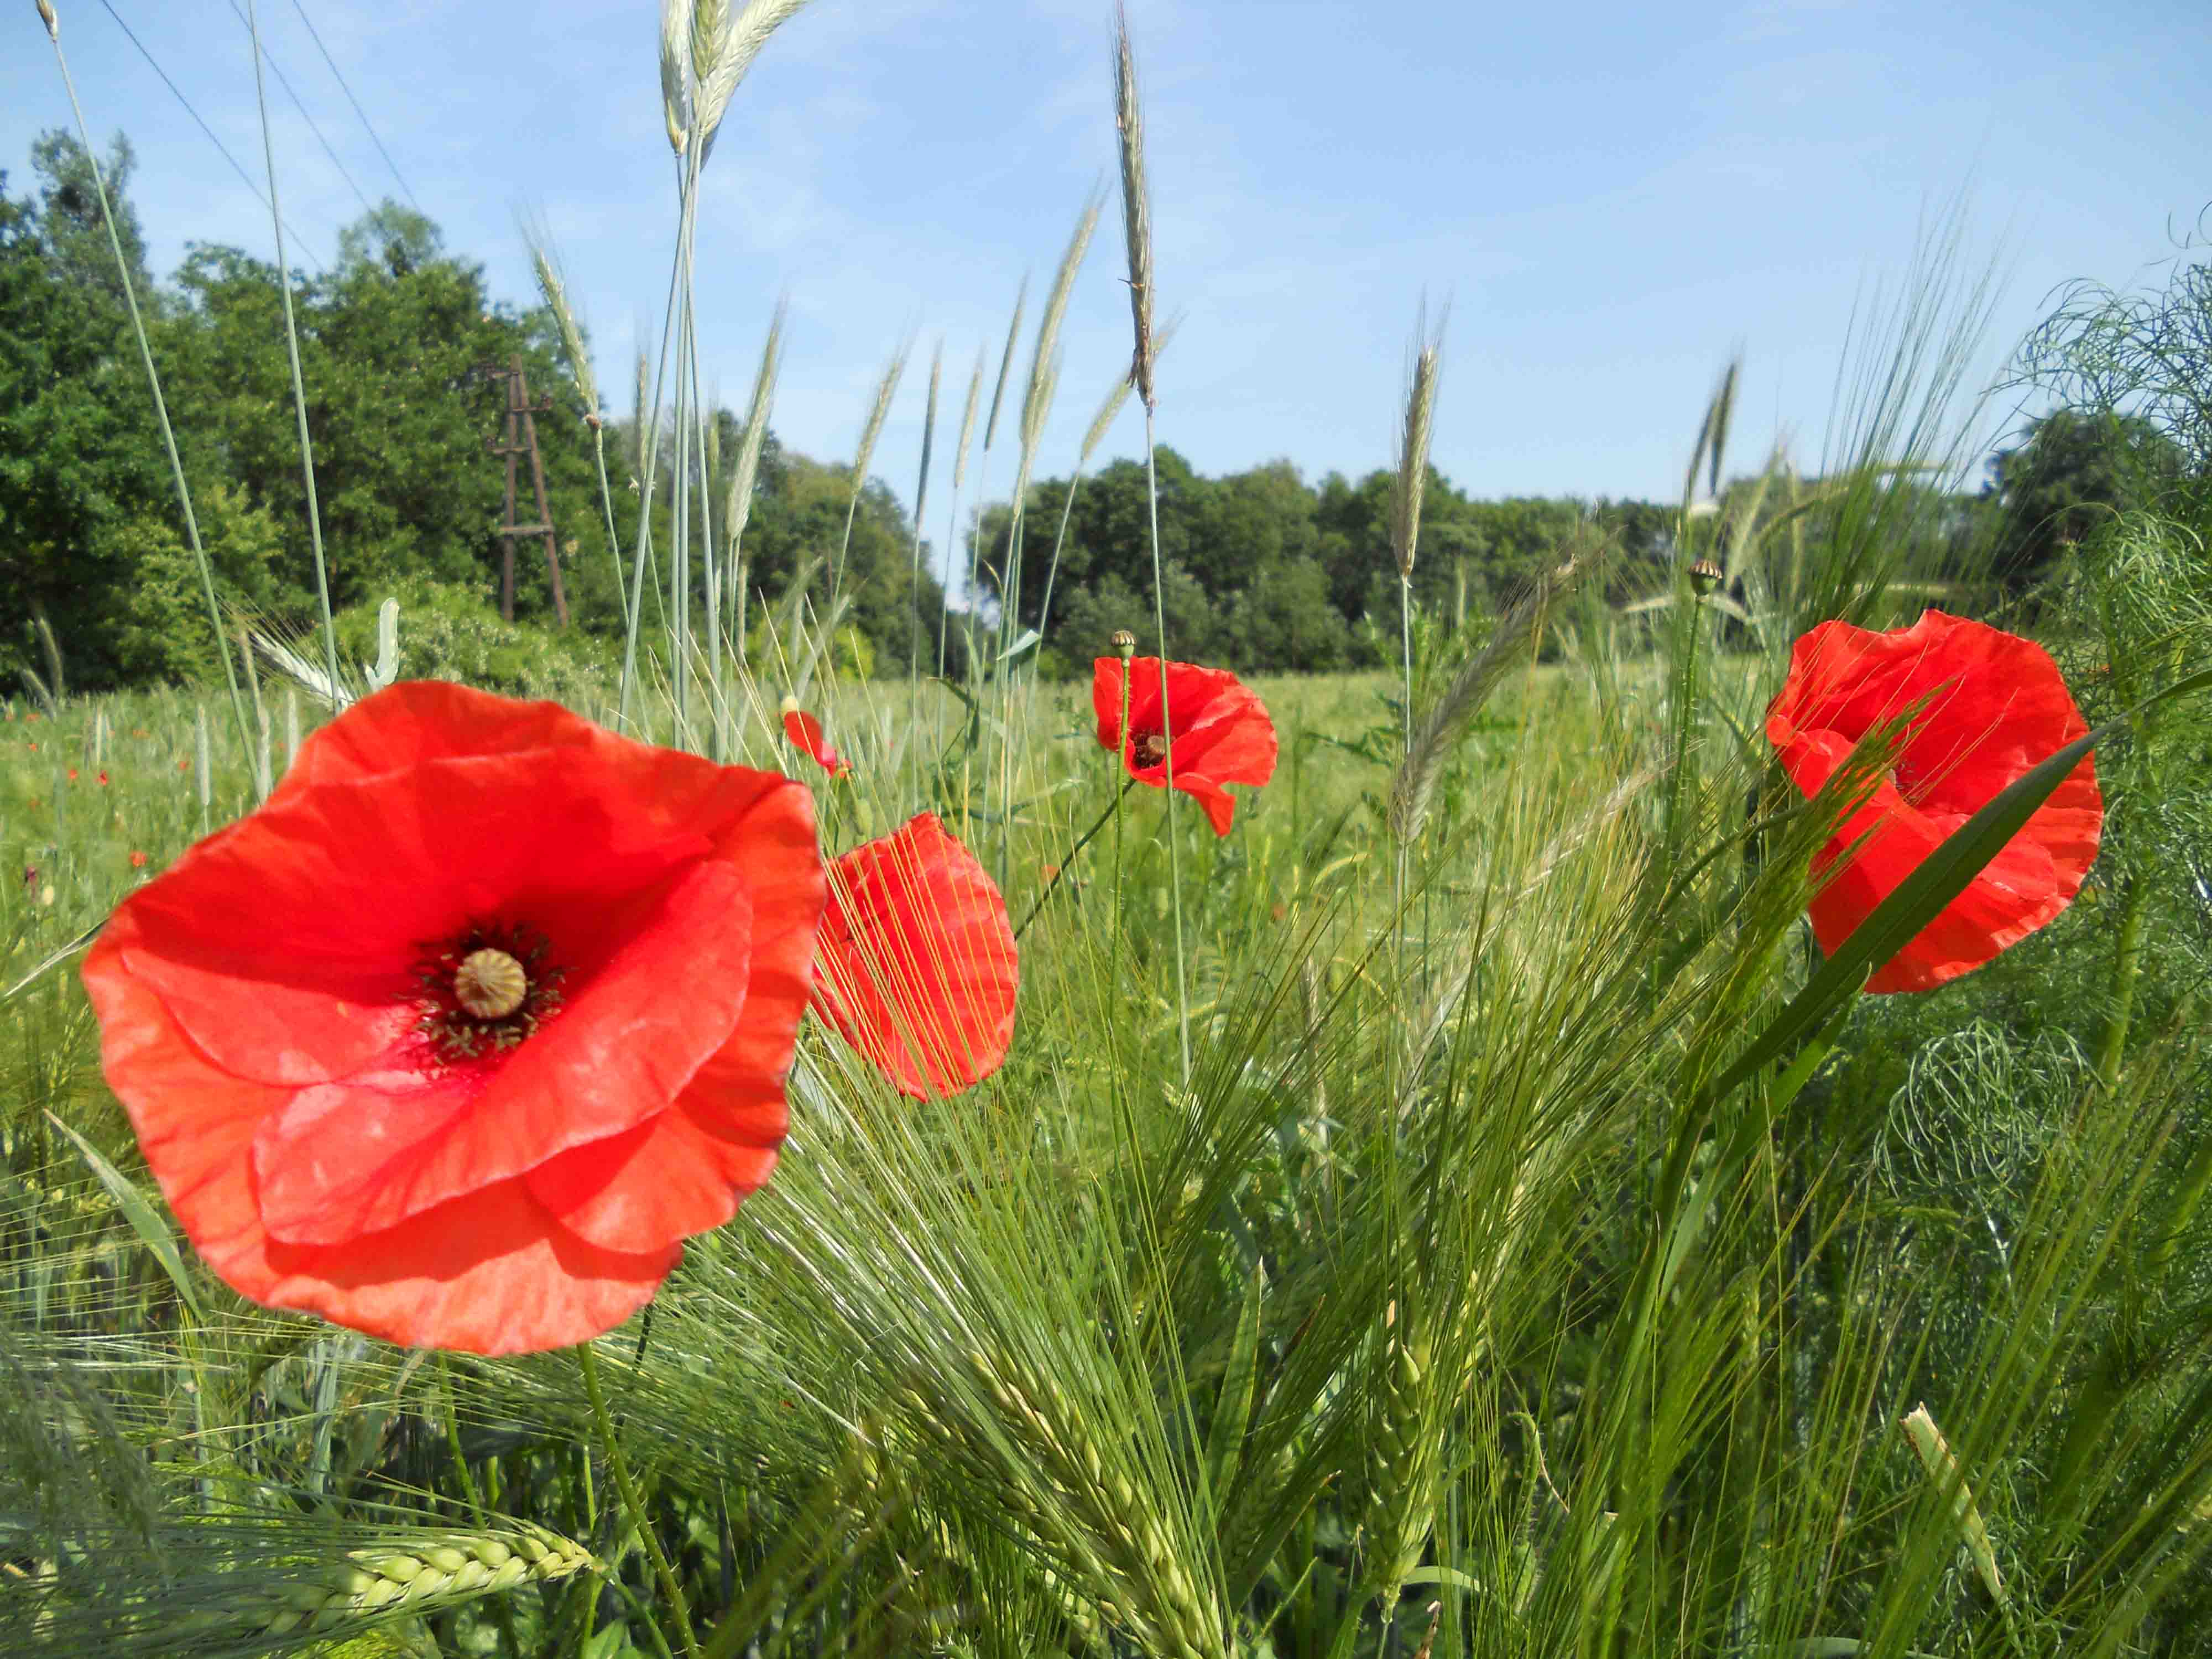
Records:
x=2075, y=471
x=71, y=231
x=78, y=455
x=393, y=343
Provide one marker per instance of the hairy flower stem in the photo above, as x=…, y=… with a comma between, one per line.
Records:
x=1119, y=795
x=1167, y=739
x=1114, y=811
x=632, y=1505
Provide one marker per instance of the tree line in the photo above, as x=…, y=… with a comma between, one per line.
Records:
x=1260, y=570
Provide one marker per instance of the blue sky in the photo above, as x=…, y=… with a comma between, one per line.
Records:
x=1611, y=197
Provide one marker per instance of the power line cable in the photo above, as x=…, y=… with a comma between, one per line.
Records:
x=317, y=37
x=299, y=104
x=245, y=177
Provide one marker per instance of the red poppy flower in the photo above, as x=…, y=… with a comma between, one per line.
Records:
x=1219, y=730
x=138, y=860
x=806, y=732
x=917, y=968
x=485, y=1010
x=103, y=779
x=72, y=774
x=1996, y=706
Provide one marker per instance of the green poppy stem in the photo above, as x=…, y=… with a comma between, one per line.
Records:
x=632, y=1505
x=1059, y=870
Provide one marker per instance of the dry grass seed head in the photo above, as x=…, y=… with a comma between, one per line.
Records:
x=968, y=420
x=1136, y=205
x=1006, y=361
x=1413, y=444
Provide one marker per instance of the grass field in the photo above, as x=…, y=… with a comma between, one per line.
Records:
x=1459, y=1210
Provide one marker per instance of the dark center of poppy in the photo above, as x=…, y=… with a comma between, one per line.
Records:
x=485, y=988
x=1148, y=749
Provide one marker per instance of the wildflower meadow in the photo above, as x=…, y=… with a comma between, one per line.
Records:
x=1672, y=1118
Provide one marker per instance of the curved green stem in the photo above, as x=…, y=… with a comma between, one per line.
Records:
x=1113, y=810
x=626, y=1485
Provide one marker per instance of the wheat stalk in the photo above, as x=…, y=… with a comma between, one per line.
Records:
x=546, y=265
x=417, y=1578
x=1136, y=203
x=968, y=420
x=1414, y=787
x=1413, y=446
x=1122, y=1542
x=878, y=407
x=675, y=85
x=1007, y=363
x=1712, y=434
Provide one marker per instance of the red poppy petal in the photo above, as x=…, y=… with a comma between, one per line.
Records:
x=1106, y=700
x=918, y=965
x=1233, y=742
x=418, y=720
x=1220, y=806
x=365, y=1154
x=805, y=734
x=489, y=1273
x=1991, y=706
x=686, y=1172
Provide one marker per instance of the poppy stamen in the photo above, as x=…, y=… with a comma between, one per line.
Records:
x=485, y=990
x=1148, y=749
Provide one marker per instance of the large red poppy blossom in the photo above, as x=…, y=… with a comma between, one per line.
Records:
x=917, y=968
x=1219, y=730
x=805, y=734
x=1991, y=706
x=485, y=1012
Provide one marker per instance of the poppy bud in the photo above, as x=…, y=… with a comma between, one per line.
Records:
x=1125, y=642
x=1704, y=577
x=53, y=24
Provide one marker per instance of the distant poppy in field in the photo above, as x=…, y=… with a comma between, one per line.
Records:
x=138, y=860
x=103, y=779
x=917, y=968
x=34, y=742
x=184, y=764
x=1992, y=706
x=485, y=1012
x=1219, y=730
x=805, y=733
x=72, y=774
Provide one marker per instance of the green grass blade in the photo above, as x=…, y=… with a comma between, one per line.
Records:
x=145, y=1221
